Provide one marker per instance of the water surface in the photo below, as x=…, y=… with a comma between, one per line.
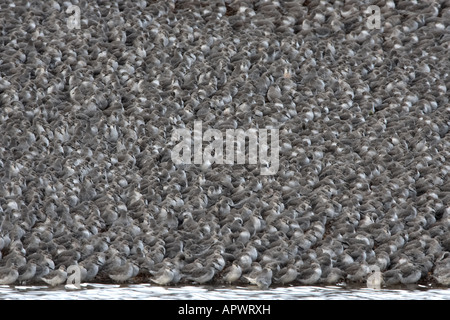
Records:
x=94, y=291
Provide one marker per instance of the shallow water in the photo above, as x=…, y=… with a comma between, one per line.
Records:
x=150, y=292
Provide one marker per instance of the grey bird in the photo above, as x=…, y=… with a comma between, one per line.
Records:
x=334, y=276
x=310, y=274
x=287, y=275
x=357, y=272
x=9, y=274
x=202, y=275
x=391, y=277
x=89, y=270
x=233, y=273
x=262, y=279
x=122, y=273
x=164, y=276
x=41, y=270
x=409, y=273
x=274, y=93
x=56, y=277
x=27, y=272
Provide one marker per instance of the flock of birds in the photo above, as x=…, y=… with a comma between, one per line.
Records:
x=86, y=116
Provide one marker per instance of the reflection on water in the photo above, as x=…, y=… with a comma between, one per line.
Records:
x=147, y=291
